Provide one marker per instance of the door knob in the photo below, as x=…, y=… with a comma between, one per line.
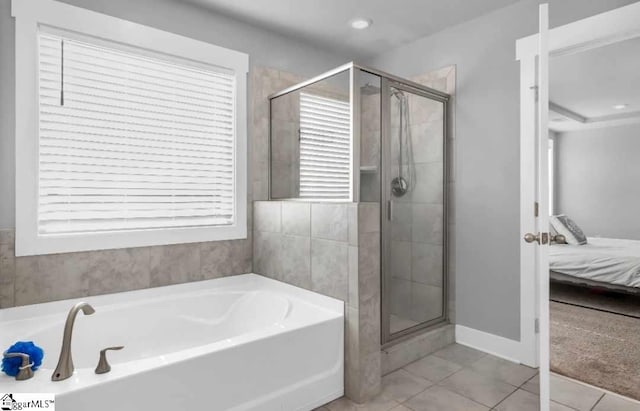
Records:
x=540, y=238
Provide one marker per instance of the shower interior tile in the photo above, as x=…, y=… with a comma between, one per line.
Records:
x=401, y=259
x=400, y=303
x=426, y=302
x=427, y=264
x=401, y=224
x=368, y=217
x=427, y=222
x=429, y=182
x=427, y=142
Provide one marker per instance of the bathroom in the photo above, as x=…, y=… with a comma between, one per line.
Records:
x=264, y=207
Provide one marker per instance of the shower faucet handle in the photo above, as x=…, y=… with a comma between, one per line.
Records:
x=103, y=364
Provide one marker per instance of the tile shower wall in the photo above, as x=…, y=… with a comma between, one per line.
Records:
x=370, y=146
x=37, y=279
x=285, y=147
x=264, y=82
x=417, y=228
x=333, y=249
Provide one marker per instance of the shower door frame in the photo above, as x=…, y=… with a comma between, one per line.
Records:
x=387, y=338
x=386, y=81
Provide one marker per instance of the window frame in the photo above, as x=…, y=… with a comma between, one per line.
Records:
x=31, y=16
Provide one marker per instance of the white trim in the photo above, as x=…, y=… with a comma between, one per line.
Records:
x=30, y=14
x=563, y=111
x=596, y=31
x=490, y=343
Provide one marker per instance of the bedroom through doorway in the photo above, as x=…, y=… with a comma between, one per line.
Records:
x=594, y=198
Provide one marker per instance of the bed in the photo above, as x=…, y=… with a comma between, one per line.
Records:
x=608, y=263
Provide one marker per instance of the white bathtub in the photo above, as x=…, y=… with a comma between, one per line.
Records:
x=235, y=343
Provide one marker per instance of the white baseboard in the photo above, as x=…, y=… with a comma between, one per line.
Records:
x=490, y=343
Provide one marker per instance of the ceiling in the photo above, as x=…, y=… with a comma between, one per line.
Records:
x=585, y=86
x=326, y=22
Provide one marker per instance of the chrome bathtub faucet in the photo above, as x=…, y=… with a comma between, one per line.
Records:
x=64, y=369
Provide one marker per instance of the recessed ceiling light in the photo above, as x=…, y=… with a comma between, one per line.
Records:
x=620, y=106
x=360, y=23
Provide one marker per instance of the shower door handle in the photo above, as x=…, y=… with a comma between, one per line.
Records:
x=389, y=210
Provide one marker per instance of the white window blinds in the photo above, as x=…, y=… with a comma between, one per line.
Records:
x=324, y=147
x=129, y=141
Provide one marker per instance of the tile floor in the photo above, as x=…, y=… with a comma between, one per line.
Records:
x=458, y=378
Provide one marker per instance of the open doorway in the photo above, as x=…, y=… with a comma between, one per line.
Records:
x=594, y=204
x=571, y=121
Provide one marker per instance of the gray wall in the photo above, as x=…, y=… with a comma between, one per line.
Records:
x=598, y=175
x=487, y=149
x=264, y=48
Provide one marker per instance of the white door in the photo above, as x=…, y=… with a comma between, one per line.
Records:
x=535, y=207
x=542, y=193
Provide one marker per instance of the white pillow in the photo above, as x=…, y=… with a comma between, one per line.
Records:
x=568, y=228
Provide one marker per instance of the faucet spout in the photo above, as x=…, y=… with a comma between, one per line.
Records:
x=65, y=368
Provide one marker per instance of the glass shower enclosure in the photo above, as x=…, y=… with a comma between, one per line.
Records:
x=357, y=134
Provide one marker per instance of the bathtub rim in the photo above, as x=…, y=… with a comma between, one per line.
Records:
x=123, y=297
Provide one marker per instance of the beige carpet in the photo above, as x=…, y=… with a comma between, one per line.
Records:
x=596, y=347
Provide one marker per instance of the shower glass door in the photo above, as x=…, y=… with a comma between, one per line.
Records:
x=414, y=223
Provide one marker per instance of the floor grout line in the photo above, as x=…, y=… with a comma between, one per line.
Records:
x=597, y=402
x=471, y=399
x=505, y=398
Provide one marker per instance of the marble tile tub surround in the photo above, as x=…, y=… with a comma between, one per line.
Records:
x=38, y=279
x=333, y=249
x=30, y=280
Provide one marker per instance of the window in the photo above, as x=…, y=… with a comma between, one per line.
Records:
x=137, y=142
x=131, y=142
x=324, y=147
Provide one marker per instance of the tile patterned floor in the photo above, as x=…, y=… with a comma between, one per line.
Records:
x=458, y=378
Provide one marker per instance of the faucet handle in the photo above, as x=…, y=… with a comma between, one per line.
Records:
x=24, y=371
x=103, y=364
